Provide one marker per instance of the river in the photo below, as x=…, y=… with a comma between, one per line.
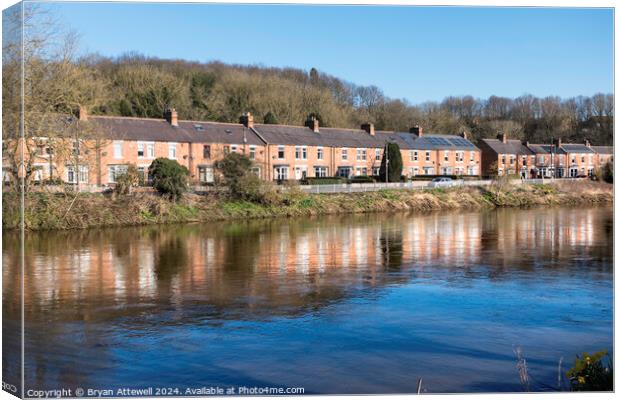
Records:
x=339, y=304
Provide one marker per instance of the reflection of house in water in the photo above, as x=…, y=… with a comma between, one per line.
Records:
x=287, y=265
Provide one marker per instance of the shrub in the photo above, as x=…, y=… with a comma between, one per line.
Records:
x=327, y=180
x=169, y=177
x=362, y=179
x=589, y=373
x=243, y=183
x=127, y=180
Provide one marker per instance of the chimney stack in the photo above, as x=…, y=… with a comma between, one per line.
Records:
x=463, y=135
x=526, y=143
x=247, y=120
x=370, y=128
x=586, y=142
x=82, y=114
x=172, y=117
x=503, y=137
x=558, y=142
x=313, y=124
x=416, y=130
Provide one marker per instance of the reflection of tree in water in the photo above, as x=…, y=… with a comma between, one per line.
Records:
x=171, y=258
x=391, y=242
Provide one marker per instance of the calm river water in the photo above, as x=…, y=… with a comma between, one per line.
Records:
x=354, y=304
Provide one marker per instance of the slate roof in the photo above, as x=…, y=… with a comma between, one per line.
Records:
x=603, y=149
x=329, y=137
x=512, y=146
x=576, y=148
x=151, y=129
x=147, y=129
x=545, y=149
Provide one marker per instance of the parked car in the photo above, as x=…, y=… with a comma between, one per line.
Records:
x=442, y=182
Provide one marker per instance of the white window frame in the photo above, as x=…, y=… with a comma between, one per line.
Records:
x=345, y=153
x=319, y=153
x=117, y=146
x=427, y=157
x=252, y=153
x=150, y=149
x=361, y=154
x=172, y=151
x=281, y=152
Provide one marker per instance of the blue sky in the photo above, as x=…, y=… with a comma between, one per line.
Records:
x=416, y=53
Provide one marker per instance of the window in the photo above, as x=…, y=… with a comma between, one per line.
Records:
x=344, y=172
x=361, y=154
x=590, y=158
x=70, y=174
x=472, y=155
x=378, y=153
x=320, y=172
x=413, y=171
x=541, y=159
x=524, y=161
x=428, y=156
x=150, y=150
x=172, y=150
x=255, y=171
x=142, y=175
x=118, y=149
x=304, y=153
x=375, y=171
x=503, y=158
x=413, y=155
x=206, y=151
x=512, y=159
x=583, y=158
x=252, y=152
x=226, y=150
x=446, y=155
x=281, y=173
x=233, y=148
x=281, y=152
x=140, y=149
x=114, y=171
x=76, y=147
x=573, y=159
x=345, y=154
x=460, y=155
x=205, y=174
x=299, y=153
x=319, y=153
x=361, y=171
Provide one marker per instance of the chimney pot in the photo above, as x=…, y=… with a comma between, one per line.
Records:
x=313, y=124
x=172, y=117
x=416, y=130
x=247, y=120
x=586, y=142
x=464, y=135
x=503, y=137
x=370, y=128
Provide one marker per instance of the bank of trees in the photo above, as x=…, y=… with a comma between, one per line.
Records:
x=141, y=86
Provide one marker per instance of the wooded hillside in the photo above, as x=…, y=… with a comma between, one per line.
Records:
x=141, y=86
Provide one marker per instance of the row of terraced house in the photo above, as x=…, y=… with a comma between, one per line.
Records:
x=284, y=152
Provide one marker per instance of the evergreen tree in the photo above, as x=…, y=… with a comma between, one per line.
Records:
x=395, y=169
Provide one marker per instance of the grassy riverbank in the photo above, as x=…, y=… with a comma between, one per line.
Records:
x=68, y=211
